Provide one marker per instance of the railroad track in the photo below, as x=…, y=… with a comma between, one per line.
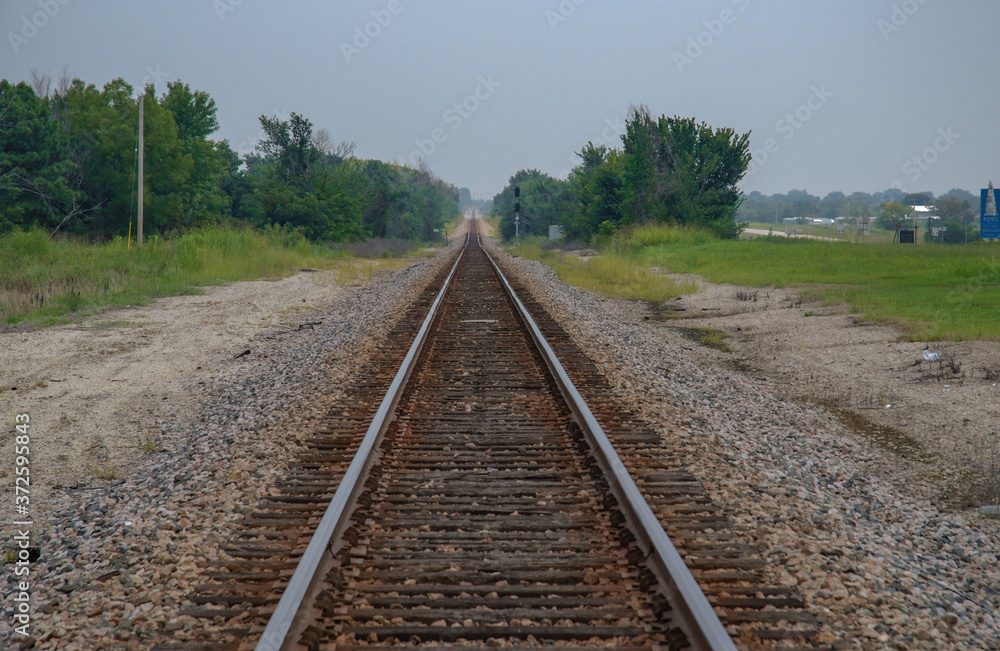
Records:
x=481, y=501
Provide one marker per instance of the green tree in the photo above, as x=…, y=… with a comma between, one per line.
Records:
x=679, y=171
x=200, y=197
x=169, y=169
x=890, y=214
x=954, y=209
x=953, y=233
x=184, y=170
x=194, y=112
x=35, y=166
x=598, y=185
x=544, y=200
x=290, y=144
x=296, y=180
x=917, y=199
x=282, y=186
x=955, y=216
x=103, y=128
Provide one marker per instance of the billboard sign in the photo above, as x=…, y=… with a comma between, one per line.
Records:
x=988, y=215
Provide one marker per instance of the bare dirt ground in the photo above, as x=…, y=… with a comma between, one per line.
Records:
x=97, y=391
x=944, y=414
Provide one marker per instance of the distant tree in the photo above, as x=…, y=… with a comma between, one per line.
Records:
x=954, y=209
x=918, y=199
x=806, y=207
x=858, y=198
x=948, y=232
x=890, y=213
x=891, y=194
x=543, y=202
x=972, y=198
x=801, y=195
x=759, y=210
x=833, y=205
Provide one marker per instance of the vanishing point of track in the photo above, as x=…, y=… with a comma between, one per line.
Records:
x=480, y=502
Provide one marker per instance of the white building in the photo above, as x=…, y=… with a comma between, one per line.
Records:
x=922, y=213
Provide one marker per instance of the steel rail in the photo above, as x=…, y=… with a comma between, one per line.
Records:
x=691, y=609
x=287, y=622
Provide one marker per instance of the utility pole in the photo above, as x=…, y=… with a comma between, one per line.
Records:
x=142, y=149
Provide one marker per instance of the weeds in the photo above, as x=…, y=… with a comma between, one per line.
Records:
x=353, y=272
x=931, y=292
x=149, y=442
x=607, y=275
x=107, y=473
x=42, y=279
x=709, y=337
x=945, y=367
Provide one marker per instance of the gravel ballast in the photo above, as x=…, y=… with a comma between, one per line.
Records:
x=850, y=525
x=118, y=562
x=846, y=523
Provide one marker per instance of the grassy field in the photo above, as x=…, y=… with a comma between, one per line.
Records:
x=608, y=275
x=850, y=233
x=931, y=292
x=49, y=281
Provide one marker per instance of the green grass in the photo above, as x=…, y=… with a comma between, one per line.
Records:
x=932, y=292
x=850, y=233
x=608, y=275
x=51, y=281
x=710, y=337
x=453, y=225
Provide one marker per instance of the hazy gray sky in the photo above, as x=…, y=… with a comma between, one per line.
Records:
x=839, y=95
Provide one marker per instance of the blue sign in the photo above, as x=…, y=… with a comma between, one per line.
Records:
x=988, y=215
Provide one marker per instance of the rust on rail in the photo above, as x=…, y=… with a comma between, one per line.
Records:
x=486, y=515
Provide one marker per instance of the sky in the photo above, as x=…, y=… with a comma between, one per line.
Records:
x=848, y=95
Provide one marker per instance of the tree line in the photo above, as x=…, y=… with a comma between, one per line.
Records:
x=68, y=160
x=885, y=209
x=670, y=170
